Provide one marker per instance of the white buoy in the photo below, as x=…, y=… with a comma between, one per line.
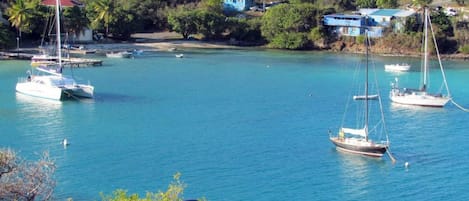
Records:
x=65, y=142
x=406, y=164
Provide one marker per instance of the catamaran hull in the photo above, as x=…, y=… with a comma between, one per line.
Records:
x=374, y=150
x=54, y=93
x=80, y=91
x=32, y=89
x=419, y=100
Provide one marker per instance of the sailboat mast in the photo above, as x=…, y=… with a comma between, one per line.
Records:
x=366, y=86
x=425, y=62
x=57, y=19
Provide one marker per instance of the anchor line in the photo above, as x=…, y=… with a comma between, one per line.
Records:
x=459, y=106
x=71, y=95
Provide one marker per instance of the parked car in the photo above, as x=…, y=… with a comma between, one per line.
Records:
x=255, y=8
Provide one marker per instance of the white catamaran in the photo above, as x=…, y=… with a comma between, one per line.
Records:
x=421, y=96
x=357, y=140
x=48, y=81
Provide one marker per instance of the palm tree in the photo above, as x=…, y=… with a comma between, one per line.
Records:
x=21, y=14
x=75, y=20
x=105, y=12
x=422, y=3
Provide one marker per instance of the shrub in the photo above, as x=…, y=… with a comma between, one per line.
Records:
x=25, y=180
x=464, y=49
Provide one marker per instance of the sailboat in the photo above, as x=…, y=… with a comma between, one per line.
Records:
x=357, y=140
x=47, y=81
x=421, y=96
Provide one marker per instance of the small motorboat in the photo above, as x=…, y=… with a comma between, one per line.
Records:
x=363, y=97
x=179, y=55
x=397, y=67
x=122, y=54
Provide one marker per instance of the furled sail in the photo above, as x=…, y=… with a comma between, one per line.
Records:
x=360, y=132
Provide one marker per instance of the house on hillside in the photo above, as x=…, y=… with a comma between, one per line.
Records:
x=346, y=25
x=393, y=18
x=237, y=5
x=376, y=20
x=87, y=34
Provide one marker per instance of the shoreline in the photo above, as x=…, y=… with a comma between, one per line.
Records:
x=159, y=45
x=168, y=44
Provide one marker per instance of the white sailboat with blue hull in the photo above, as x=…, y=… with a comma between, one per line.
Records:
x=49, y=82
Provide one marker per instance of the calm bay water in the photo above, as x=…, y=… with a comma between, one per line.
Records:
x=238, y=125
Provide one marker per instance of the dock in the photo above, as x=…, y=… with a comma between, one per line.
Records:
x=81, y=62
x=70, y=62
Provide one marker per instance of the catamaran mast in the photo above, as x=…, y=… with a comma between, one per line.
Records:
x=57, y=19
x=425, y=62
x=366, y=86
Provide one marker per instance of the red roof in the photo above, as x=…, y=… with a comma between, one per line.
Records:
x=65, y=3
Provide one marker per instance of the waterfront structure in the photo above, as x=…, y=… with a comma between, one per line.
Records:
x=375, y=19
x=347, y=25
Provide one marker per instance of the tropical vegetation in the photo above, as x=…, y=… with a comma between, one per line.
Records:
x=24, y=180
x=174, y=192
x=296, y=24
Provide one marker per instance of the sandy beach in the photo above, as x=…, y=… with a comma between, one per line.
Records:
x=159, y=41
x=155, y=46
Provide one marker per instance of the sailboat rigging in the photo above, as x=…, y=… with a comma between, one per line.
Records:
x=357, y=140
x=49, y=82
x=421, y=96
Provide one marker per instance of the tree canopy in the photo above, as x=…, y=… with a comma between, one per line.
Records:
x=25, y=180
x=287, y=25
x=22, y=13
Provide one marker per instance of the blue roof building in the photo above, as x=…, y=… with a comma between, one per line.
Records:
x=394, y=18
x=347, y=25
x=237, y=5
x=375, y=19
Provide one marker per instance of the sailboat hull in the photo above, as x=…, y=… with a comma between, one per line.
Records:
x=359, y=146
x=418, y=98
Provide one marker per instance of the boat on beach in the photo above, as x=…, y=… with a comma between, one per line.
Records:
x=121, y=54
x=403, y=67
x=80, y=50
x=421, y=96
x=357, y=140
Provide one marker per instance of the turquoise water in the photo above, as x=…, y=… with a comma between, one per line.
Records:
x=238, y=125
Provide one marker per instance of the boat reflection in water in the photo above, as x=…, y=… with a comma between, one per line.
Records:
x=44, y=112
x=355, y=173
